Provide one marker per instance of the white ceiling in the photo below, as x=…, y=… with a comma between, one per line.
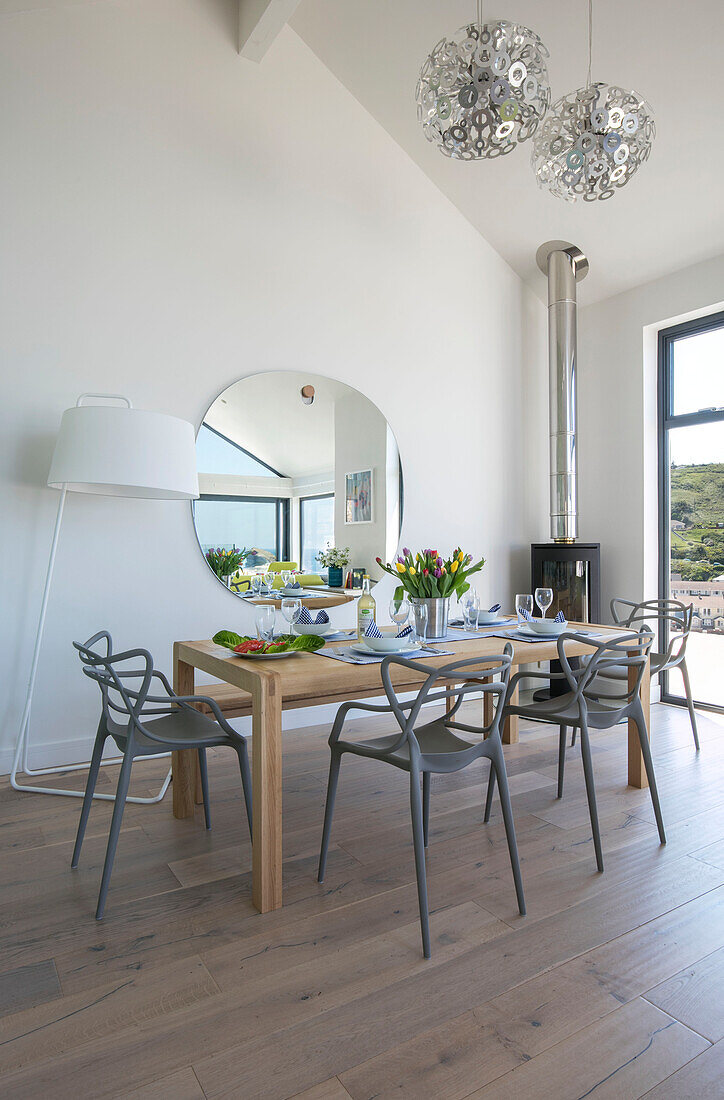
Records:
x=670, y=215
x=265, y=414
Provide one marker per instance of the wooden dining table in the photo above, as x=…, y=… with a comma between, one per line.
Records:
x=309, y=679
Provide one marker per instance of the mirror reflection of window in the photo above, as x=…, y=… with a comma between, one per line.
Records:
x=316, y=529
x=273, y=472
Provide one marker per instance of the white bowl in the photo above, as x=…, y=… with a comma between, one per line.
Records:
x=485, y=618
x=320, y=629
x=388, y=644
x=547, y=626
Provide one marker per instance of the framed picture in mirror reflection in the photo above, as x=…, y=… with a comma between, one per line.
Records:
x=358, y=497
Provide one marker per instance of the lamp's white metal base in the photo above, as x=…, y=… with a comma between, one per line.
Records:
x=81, y=794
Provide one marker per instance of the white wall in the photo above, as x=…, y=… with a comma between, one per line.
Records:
x=174, y=217
x=617, y=420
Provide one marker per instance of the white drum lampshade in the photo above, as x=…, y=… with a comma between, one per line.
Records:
x=117, y=451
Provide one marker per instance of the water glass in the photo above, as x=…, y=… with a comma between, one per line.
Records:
x=470, y=604
x=291, y=610
x=523, y=602
x=265, y=619
x=400, y=611
x=419, y=622
x=544, y=599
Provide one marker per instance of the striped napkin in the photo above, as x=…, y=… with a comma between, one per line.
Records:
x=560, y=617
x=305, y=619
x=373, y=631
x=494, y=608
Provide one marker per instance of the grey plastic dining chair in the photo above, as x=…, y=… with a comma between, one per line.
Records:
x=431, y=747
x=583, y=707
x=174, y=724
x=671, y=614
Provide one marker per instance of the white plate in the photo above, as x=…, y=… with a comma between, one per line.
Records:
x=529, y=633
x=495, y=622
x=360, y=647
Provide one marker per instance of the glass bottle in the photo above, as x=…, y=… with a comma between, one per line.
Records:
x=365, y=608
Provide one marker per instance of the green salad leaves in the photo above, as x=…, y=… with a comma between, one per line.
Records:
x=304, y=643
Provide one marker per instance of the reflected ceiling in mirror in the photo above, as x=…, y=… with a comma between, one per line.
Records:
x=290, y=463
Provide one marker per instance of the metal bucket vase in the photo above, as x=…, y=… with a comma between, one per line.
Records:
x=437, y=612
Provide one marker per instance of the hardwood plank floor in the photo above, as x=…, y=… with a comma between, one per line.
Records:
x=610, y=985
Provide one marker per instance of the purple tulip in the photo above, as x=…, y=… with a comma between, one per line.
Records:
x=405, y=551
x=439, y=563
x=438, y=573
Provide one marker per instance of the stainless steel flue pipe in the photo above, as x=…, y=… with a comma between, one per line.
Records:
x=565, y=265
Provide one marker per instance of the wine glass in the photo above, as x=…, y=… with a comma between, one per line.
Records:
x=400, y=611
x=470, y=604
x=419, y=622
x=544, y=599
x=286, y=577
x=291, y=610
x=523, y=602
x=265, y=619
x=256, y=584
x=268, y=581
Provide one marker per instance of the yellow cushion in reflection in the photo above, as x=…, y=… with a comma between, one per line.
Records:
x=280, y=566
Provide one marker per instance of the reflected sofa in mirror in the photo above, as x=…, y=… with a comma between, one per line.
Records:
x=291, y=463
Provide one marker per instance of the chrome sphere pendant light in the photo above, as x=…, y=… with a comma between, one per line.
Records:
x=484, y=91
x=593, y=140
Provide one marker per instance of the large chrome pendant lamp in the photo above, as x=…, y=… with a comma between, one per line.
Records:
x=593, y=140
x=482, y=92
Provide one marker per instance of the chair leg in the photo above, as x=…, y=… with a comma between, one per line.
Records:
x=638, y=717
x=426, y=806
x=328, y=812
x=124, y=779
x=419, y=842
x=563, y=731
x=245, y=770
x=690, y=702
x=573, y=736
x=88, y=797
x=591, y=794
x=204, y=773
x=490, y=793
x=502, y=776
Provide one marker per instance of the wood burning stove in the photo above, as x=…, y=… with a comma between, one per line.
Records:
x=573, y=571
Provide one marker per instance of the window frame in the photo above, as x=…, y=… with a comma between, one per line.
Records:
x=667, y=420
x=283, y=515
x=311, y=496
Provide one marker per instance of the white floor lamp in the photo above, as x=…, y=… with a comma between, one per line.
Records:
x=109, y=450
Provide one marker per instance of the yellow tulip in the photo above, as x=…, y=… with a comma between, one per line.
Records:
x=454, y=566
x=412, y=571
x=461, y=555
x=400, y=567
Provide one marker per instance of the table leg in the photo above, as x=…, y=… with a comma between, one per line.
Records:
x=511, y=721
x=636, y=769
x=183, y=764
x=266, y=766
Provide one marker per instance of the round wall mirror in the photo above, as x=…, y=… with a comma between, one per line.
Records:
x=289, y=465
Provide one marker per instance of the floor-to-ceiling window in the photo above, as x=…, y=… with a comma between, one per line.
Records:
x=316, y=529
x=691, y=496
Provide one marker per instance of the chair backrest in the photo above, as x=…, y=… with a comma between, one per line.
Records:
x=119, y=699
x=488, y=674
x=629, y=650
x=280, y=566
x=672, y=615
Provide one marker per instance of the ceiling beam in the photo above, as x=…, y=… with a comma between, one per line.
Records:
x=260, y=21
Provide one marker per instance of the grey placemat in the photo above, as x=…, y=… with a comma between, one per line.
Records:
x=518, y=637
x=351, y=657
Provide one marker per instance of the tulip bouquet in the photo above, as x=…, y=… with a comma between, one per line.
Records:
x=427, y=575
x=225, y=562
